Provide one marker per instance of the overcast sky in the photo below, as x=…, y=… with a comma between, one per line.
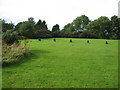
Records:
x=56, y=11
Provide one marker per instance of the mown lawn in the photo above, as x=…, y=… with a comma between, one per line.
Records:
x=66, y=65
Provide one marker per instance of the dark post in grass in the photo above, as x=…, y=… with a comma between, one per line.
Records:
x=70, y=41
x=54, y=40
x=106, y=42
x=39, y=39
x=88, y=41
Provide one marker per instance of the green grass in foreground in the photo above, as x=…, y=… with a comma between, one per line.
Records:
x=66, y=65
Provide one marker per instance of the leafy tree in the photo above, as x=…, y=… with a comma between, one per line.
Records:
x=38, y=25
x=115, y=27
x=18, y=26
x=80, y=22
x=41, y=25
x=44, y=25
x=100, y=27
x=27, y=29
x=104, y=26
x=55, y=28
x=31, y=20
x=7, y=26
x=69, y=27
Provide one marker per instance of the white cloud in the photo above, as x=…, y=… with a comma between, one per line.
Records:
x=56, y=11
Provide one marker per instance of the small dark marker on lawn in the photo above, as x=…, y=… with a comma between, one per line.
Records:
x=39, y=39
x=54, y=40
x=70, y=41
x=106, y=42
x=88, y=41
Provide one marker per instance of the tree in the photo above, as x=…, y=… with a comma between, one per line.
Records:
x=104, y=26
x=18, y=26
x=100, y=27
x=115, y=27
x=7, y=26
x=38, y=25
x=55, y=28
x=44, y=25
x=31, y=20
x=41, y=25
x=80, y=22
x=69, y=27
x=27, y=29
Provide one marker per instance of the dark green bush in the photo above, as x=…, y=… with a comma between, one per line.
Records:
x=10, y=37
x=43, y=34
x=87, y=34
x=114, y=37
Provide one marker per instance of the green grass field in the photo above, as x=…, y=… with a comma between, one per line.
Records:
x=66, y=65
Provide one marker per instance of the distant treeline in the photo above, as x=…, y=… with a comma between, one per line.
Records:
x=81, y=27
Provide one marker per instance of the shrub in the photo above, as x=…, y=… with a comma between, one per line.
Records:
x=22, y=37
x=87, y=34
x=10, y=37
x=43, y=34
x=13, y=53
x=56, y=34
x=114, y=37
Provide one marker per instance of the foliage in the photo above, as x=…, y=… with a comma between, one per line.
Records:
x=115, y=27
x=13, y=53
x=18, y=26
x=87, y=34
x=69, y=27
x=66, y=27
x=55, y=28
x=27, y=29
x=80, y=22
x=30, y=29
x=31, y=20
x=7, y=26
x=102, y=28
x=41, y=25
x=57, y=34
x=114, y=37
x=44, y=25
x=65, y=34
x=9, y=37
x=38, y=25
x=43, y=34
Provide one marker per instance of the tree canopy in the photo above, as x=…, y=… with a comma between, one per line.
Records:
x=80, y=27
x=55, y=28
x=80, y=22
x=27, y=29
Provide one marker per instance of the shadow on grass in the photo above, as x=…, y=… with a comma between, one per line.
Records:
x=34, y=54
